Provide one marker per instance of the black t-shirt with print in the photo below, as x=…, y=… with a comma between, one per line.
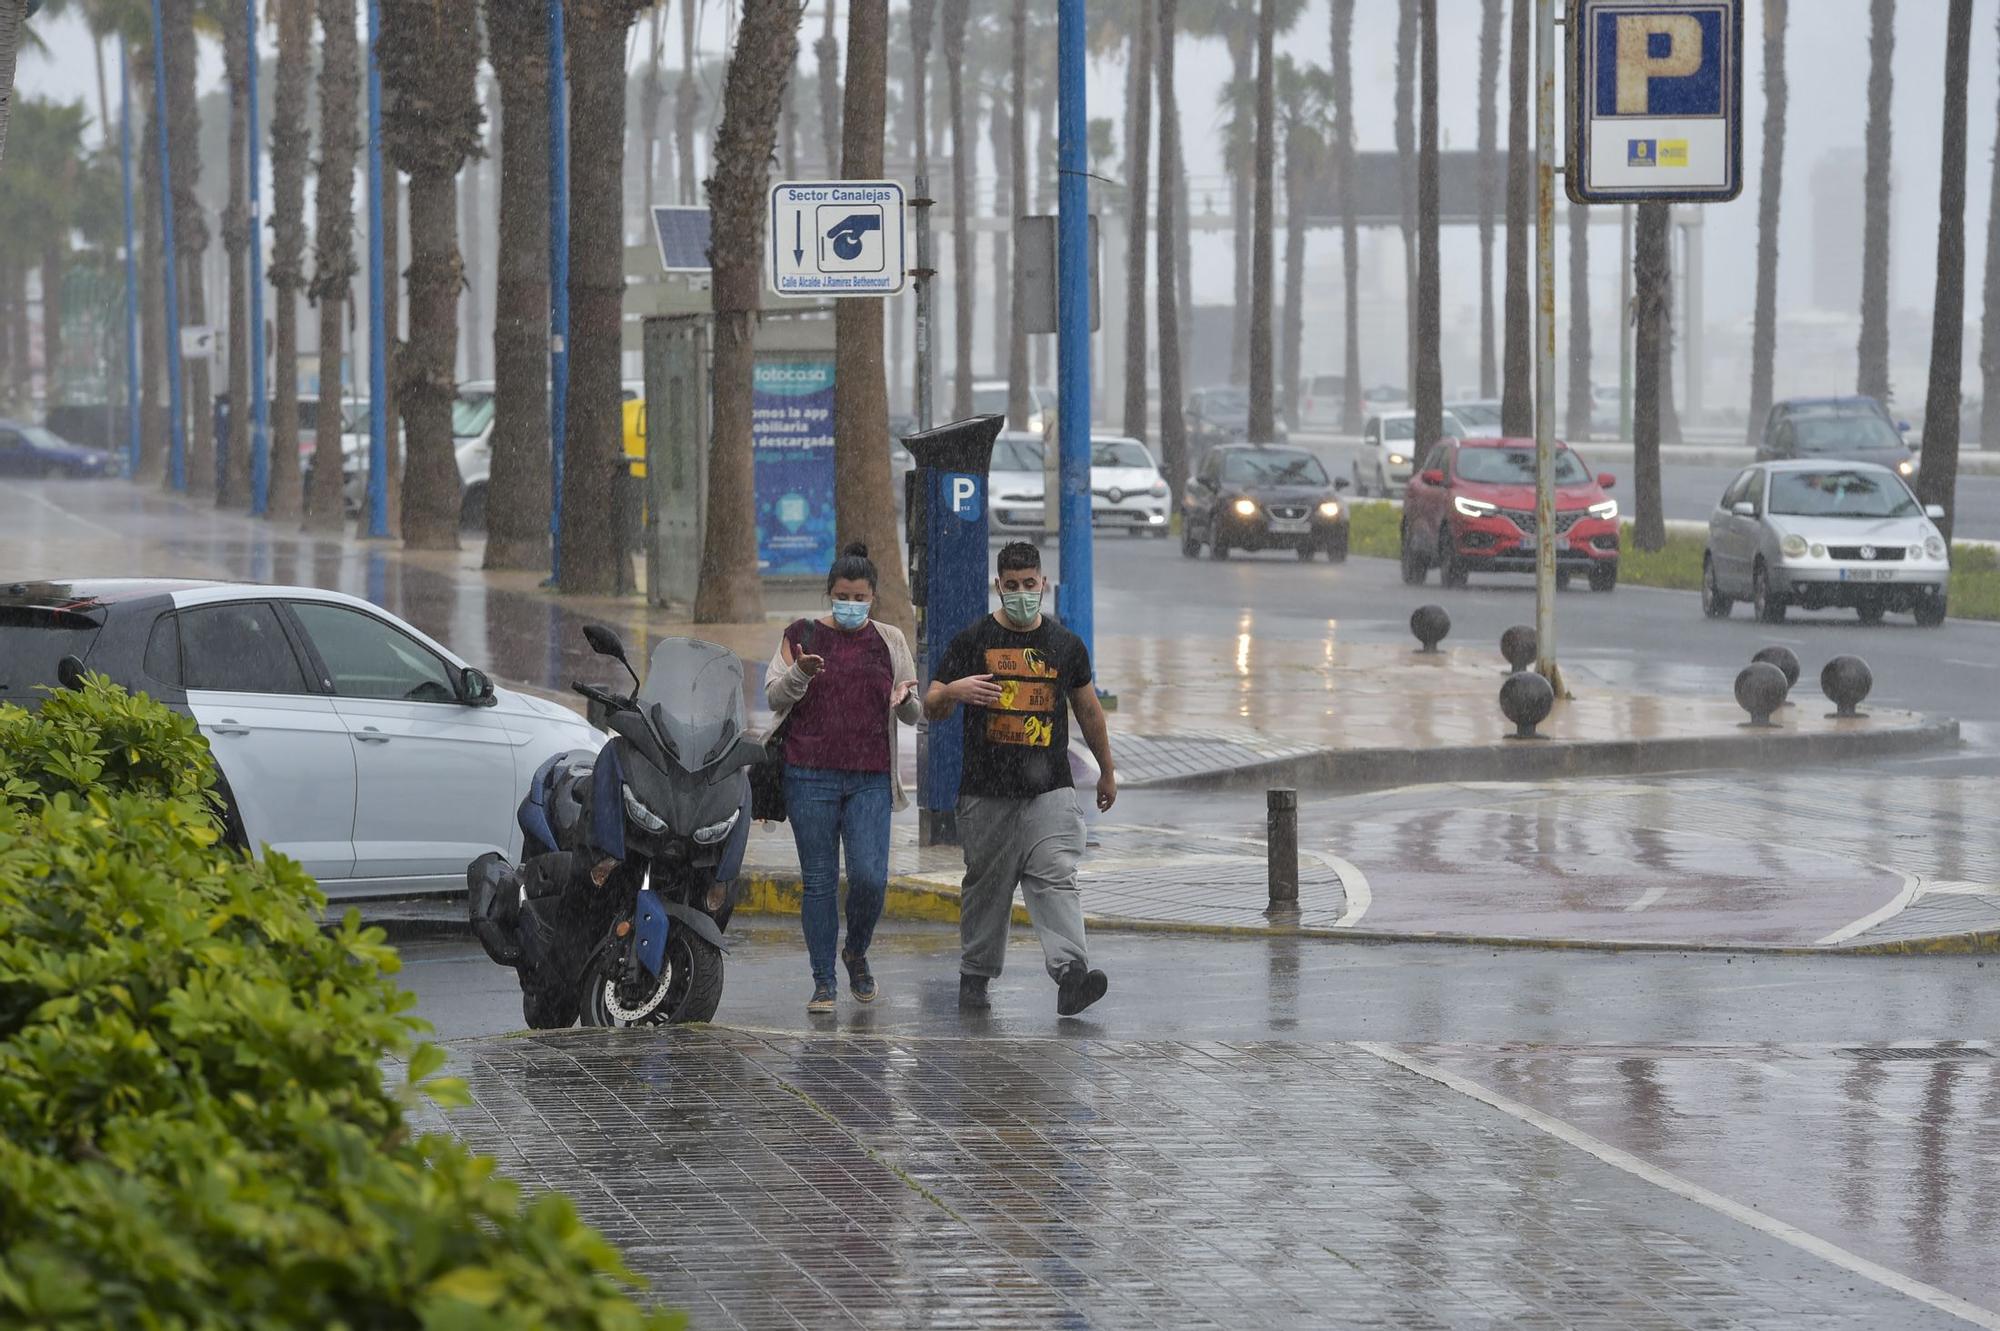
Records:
x=1019, y=747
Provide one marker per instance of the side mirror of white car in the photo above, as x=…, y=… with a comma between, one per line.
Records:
x=1744, y=509
x=1935, y=512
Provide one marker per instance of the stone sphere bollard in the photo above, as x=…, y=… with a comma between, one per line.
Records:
x=1519, y=645
x=1846, y=680
x=1760, y=691
x=1785, y=659
x=1431, y=625
x=1526, y=699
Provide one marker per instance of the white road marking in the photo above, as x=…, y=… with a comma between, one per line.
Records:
x=1895, y=907
x=1650, y=897
x=1972, y=665
x=62, y=512
x=1359, y=896
x=1647, y=1172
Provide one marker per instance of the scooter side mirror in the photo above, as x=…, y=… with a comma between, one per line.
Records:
x=604, y=641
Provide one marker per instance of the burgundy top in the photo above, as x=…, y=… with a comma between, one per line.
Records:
x=842, y=723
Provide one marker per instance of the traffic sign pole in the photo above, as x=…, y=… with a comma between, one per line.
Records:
x=1545, y=345
x=1073, y=323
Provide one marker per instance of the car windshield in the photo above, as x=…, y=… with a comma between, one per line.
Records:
x=1841, y=494
x=694, y=695
x=1226, y=401
x=1016, y=455
x=471, y=413
x=1476, y=414
x=1840, y=434
x=1119, y=453
x=42, y=438
x=1516, y=466
x=1273, y=468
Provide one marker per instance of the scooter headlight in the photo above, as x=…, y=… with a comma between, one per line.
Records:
x=714, y=832
x=640, y=814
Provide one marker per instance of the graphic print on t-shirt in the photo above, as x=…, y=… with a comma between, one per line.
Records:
x=1025, y=711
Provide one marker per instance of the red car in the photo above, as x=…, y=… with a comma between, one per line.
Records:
x=1472, y=509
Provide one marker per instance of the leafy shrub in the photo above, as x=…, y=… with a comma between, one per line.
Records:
x=194, y=1129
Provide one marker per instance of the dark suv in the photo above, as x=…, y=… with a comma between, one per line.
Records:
x=1836, y=429
x=1263, y=497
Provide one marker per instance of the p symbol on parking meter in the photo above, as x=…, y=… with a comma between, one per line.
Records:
x=963, y=493
x=1649, y=47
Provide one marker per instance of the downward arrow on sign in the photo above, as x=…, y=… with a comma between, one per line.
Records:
x=798, y=238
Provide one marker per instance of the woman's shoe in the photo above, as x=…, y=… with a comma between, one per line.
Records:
x=859, y=979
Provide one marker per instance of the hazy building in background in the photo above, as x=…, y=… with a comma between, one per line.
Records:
x=1839, y=178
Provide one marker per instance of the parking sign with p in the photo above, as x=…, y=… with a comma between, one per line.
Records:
x=1656, y=91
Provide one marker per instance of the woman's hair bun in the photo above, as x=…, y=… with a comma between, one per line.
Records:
x=858, y=550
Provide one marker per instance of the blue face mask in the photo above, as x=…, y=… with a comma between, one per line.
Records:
x=850, y=615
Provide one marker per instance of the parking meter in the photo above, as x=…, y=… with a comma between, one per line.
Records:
x=945, y=509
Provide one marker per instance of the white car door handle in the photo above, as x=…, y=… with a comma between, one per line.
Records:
x=229, y=725
x=370, y=735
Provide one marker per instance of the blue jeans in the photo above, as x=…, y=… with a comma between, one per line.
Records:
x=828, y=810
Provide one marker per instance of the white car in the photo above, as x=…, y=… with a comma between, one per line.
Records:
x=1014, y=482
x=472, y=436
x=989, y=398
x=346, y=739
x=1126, y=488
x=1322, y=399
x=1390, y=448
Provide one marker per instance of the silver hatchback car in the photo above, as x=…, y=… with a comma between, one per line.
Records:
x=1816, y=534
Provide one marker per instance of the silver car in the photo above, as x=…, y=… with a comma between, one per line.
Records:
x=1820, y=534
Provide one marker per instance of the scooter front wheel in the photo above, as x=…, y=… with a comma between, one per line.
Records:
x=688, y=987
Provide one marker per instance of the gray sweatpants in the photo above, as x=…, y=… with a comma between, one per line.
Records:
x=1030, y=843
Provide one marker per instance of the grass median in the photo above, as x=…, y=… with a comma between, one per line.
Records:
x=1375, y=531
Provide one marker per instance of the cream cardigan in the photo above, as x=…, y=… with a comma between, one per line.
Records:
x=785, y=685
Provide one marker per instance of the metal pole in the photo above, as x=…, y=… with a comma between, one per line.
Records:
x=1073, y=320
x=260, y=408
x=176, y=426
x=133, y=431
x=558, y=283
x=921, y=205
x=1625, y=323
x=1545, y=343
x=378, y=324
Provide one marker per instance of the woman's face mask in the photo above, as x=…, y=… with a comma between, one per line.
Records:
x=850, y=615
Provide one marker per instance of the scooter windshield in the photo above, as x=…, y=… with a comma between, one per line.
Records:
x=694, y=695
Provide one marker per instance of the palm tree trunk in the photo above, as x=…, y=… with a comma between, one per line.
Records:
x=1517, y=395
x=1764, y=329
x=1242, y=161
x=1017, y=151
x=863, y=493
x=236, y=238
x=472, y=308
x=1493, y=24
x=1873, y=378
x=152, y=295
x=687, y=106
x=333, y=246
x=1138, y=154
x=1350, y=231
x=1406, y=175
x=1046, y=128
x=766, y=47
x=827, y=51
x=1579, y=323
x=999, y=135
x=190, y=236
x=1989, y=325
x=289, y=145
x=963, y=151
x=1649, y=283
x=1263, y=424
x=921, y=15
x=1670, y=415
x=517, y=487
x=52, y=329
x=594, y=558
x=1291, y=345
x=13, y=15
x=395, y=429
x=1173, y=425
x=1937, y=477
x=424, y=386
x=650, y=96
x=1429, y=400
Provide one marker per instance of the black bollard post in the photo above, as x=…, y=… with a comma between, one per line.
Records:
x=1282, y=840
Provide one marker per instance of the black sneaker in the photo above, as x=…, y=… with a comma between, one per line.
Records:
x=1078, y=987
x=972, y=994
x=822, y=999
x=859, y=979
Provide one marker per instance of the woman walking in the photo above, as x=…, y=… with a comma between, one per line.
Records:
x=839, y=684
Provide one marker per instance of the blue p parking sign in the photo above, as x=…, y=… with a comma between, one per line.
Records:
x=1655, y=95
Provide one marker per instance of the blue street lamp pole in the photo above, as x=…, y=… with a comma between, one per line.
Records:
x=558, y=284
x=260, y=410
x=177, y=427
x=1073, y=321
x=132, y=424
x=378, y=326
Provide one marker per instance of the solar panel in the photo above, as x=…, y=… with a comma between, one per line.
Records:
x=683, y=237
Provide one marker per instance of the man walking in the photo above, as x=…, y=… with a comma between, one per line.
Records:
x=1018, y=674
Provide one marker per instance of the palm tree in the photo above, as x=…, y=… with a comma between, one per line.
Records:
x=1263, y=422
x=651, y=95
x=1649, y=284
x=827, y=52
x=1302, y=96
x=430, y=69
x=767, y=41
x=962, y=155
x=517, y=488
x=1138, y=153
x=1350, y=232
x=1017, y=152
x=1937, y=477
x=1517, y=391
x=190, y=233
x=39, y=203
x=1579, y=323
x=1406, y=174
x=288, y=246
x=153, y=411
x=1429, y=385
x=13, y=28
x=1989, y=326
x=1000, y=136
x=1173, y=425
x=333, y=244
x=1764, y=331
x=1492, y=25
x=236, y=238
x=921, y=15
x=1873, y=378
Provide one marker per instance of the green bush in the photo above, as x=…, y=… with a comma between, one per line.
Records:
x=194, y=1127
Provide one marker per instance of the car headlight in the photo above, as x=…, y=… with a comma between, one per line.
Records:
x=640, y=814
x=1906, y=468
x=1397, y=459
x=1793, y=547
x=1606, y=510
x=1245, y=508
x=714, y=832
x=1159, y=490
x=1934, y=547
x=1329, y=509
x=1473, y=508
x=1916, y=552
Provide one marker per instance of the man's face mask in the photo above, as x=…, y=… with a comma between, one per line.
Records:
x=1021, y=607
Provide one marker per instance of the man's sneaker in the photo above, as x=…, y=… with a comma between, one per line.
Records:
x=822, y=999
x=1078, y=987
x=859, y=979
x=972, y=994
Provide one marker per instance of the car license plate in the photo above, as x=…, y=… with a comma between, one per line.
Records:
x=1289, y=526
x=1867, y=574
